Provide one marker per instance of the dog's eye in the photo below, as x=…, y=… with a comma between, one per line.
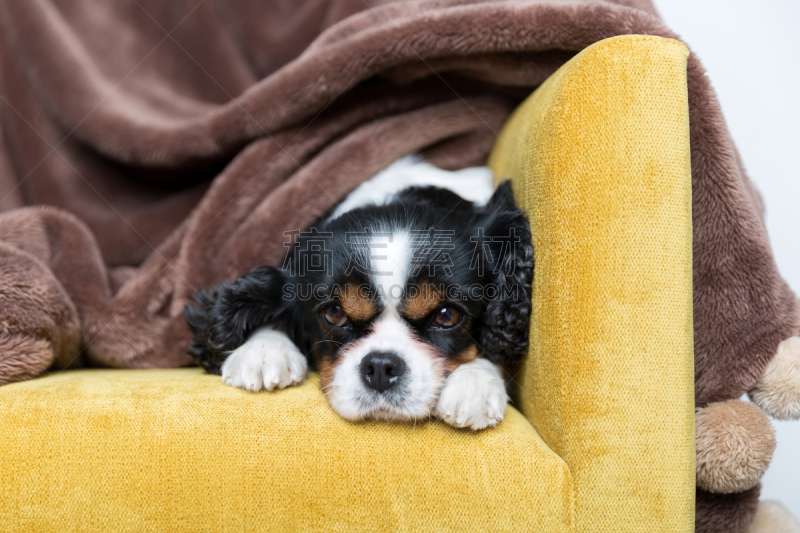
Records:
x=447, y=317
x=335, y=315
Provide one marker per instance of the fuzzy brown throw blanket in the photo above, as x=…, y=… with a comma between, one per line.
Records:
x=150, y=146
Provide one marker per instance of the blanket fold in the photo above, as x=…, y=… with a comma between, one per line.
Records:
x=150, y=147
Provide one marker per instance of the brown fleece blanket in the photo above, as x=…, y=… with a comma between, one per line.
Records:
x=150, y=146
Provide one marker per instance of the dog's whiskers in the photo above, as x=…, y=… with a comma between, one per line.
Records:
x=325, y=340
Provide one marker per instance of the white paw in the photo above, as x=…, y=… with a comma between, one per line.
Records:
x=268, y=360
x=474, y=396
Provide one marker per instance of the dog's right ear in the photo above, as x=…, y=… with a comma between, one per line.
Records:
x=222, y=319
x=506, y=321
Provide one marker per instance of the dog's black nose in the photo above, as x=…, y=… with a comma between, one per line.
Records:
x=381, y=370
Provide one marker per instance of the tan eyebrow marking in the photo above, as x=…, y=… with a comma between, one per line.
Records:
x=470, y=354
x=422, y=301
x=357, y=304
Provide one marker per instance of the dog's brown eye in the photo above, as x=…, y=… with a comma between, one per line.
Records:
x=447, y=317
x=335, y=316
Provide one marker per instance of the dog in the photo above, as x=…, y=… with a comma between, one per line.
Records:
x=405, y=298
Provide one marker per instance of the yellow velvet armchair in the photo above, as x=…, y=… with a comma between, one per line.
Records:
x=600, y=436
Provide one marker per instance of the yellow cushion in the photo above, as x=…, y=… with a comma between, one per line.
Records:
x=600, y=160
x=175, y=450
x=599, y=157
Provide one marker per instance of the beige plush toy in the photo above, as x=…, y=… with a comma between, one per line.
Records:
x=773, y=517
x=735, y=443
x=778, y=390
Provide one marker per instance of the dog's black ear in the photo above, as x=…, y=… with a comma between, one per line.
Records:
x=222, y=319
x=196, y=315
x=509, y=266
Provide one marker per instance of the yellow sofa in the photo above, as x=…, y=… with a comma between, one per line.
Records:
x=601, y=435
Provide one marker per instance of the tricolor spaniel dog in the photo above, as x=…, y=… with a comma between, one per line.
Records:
x=404, y=298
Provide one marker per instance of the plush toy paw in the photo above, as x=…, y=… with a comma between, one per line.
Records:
x=474, y=396
x=735, y=442
x=268, y=360
x=773, y=517
x=778, y=390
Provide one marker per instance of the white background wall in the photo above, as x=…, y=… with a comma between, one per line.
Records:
x=751, y=49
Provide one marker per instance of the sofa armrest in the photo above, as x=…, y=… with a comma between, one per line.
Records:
x=599, y=158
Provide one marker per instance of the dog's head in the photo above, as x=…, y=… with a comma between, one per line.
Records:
x=388, y=300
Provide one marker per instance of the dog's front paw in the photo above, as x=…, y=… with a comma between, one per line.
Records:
x=268, y=360
x=474, y=396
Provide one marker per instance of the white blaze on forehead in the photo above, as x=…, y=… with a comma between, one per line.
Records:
x=390, y=261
